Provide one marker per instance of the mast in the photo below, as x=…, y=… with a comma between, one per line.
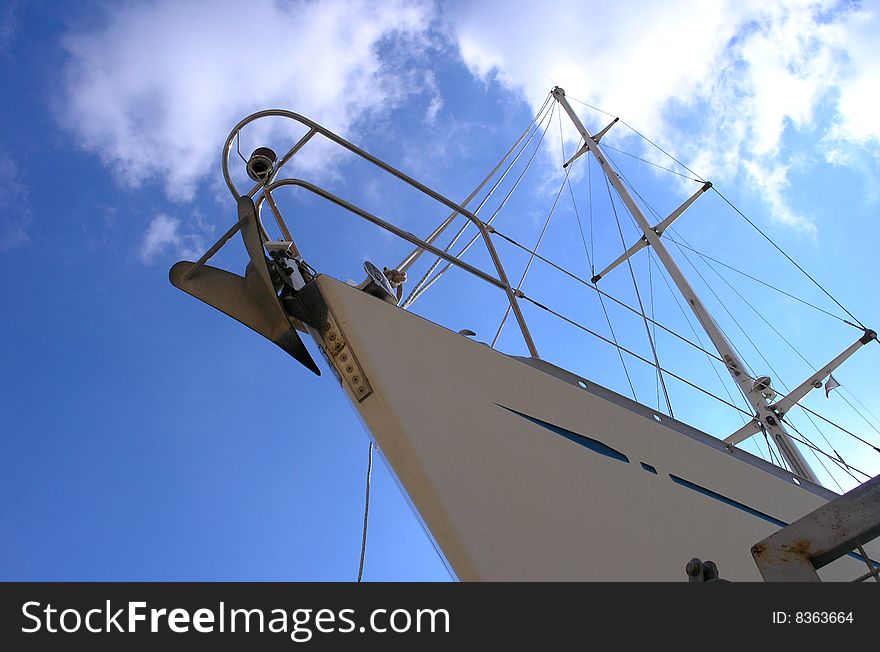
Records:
x=755, y=392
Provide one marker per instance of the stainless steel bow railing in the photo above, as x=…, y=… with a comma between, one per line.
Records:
x=263, y=191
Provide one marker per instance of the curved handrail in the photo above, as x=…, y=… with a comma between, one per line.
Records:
x=315, y=128
x=378, y=221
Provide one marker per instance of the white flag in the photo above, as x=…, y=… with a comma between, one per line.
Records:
x=830, y=384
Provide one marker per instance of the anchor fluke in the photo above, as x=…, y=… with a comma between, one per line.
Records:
x=250, y=299
x=233, y=295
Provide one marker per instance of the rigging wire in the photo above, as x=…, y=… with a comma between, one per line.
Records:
x=754, y=448
x=839, y=427
x=632, y=387
x=790, y=259
x=595, y=108
x=418, y=291
x=593, y=270
x=644, y=160
x=781, y=460
x=533, y=254
x=654, y=326
x=782, y=396
x=657, y=215
x=737, y=210
x=859, y=413
x=639, y=298
x=532, y=128
x=762, y=282
x=776, y=374
x=623, y=177
x=537, y=245
x=784, y=339
x=604, y=294
x=773, y=458
x=812, y=446
x=840, y=462
x=865, y=407
x=729, y=313
x=653, y=144
x=746, y=301
x=709, y=355
x=590, y=191
x=559, y=315
x=640, y=135
x=366, y=513
x=858, y=324
x=590, y=260
x=826, y=454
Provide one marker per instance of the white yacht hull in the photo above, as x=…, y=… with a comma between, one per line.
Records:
x=519, y=473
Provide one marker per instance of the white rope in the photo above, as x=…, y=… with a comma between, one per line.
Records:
x=366, y=514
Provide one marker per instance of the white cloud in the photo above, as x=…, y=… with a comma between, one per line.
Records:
x=596, y=48
x=156, y=89
x=164, y=236
x=739, y=73
x=15, y=208
x=773, y=182
x=856, y=122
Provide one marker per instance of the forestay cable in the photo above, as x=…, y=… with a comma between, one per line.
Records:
x=424, y=285
x=412, y=257
x=537, y=244
x=592, y=268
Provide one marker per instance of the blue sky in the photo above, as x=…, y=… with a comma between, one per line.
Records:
x=146, y=436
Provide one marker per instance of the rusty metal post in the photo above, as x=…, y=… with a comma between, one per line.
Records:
x=797, y=551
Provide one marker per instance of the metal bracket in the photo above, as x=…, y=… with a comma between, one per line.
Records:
x=658, y=229
x=309, y=306
x=343, y=359
x=598, y=136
